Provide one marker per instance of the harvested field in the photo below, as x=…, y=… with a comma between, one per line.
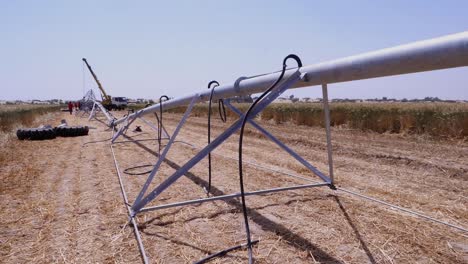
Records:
x=60, y=199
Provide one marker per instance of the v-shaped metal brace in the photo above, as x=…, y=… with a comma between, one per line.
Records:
x=140, y=202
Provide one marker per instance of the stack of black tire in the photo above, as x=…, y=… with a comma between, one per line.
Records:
x=75, y=131
x=51, y=133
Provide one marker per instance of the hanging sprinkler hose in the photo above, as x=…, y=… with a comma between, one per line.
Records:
x=244, y=121
x=223, y=117
x=160, y=122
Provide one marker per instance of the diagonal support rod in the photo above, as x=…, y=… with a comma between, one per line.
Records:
x=282, y=145
x=166, y=150
x=93, y=112
x=109, y=116
x=166, y=135
x=162, y=125
x=149, y=124
x=124, y=128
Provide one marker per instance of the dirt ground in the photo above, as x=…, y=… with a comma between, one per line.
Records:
x=60, y=199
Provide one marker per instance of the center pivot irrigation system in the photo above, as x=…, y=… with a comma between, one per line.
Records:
x=440, y=53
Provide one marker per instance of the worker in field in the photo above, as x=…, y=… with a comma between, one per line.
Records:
x=70, y=107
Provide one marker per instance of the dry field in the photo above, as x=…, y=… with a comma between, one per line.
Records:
x=13, y=115
x=60, y=200
x=436, y=119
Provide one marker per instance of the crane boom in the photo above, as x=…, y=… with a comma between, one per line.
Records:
x=105, y=97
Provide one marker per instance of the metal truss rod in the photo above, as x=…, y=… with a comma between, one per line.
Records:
x=326, y=110
x=434, y=54
x=93, y=112
x=132, y=219
x=253, y=164
x=166, y=150
x=282, y=145
x=149, y=124
x=230, y=196
x=406, y=210
x=110, y=118
x=166, y=135
x=162, y=126
x=123, y=129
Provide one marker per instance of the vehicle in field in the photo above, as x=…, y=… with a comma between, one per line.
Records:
x=109, y=102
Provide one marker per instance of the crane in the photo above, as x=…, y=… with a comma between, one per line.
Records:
x=107, y=101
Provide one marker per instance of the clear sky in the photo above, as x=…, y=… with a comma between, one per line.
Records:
x=143, y=49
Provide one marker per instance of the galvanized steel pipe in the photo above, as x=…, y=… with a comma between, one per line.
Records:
x=434, y=54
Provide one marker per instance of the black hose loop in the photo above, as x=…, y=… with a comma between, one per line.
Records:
x=222, y=110
x=130, y=171
x=295, y=57
x=212, y=82
x=163, y=96
x=221, y=107
x=216, y=84
x=161, y=120
x=241, y=136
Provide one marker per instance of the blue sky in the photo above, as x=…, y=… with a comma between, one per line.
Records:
x=143, y=49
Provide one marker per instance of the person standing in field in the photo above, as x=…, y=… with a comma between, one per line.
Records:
x=70, y=107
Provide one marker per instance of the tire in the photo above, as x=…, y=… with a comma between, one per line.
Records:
x=21, y=134
x=66, y=132
x=72, y=131
x=58, y=131
x=51, y=133
x=36, y=133
x=27, y=133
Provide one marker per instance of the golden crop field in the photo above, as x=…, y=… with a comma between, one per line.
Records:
x=24, y=115
x=440, y=120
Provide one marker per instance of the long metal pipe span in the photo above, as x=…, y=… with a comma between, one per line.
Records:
x=434, y=54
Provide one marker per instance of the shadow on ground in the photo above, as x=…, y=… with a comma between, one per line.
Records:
x=292, y=238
